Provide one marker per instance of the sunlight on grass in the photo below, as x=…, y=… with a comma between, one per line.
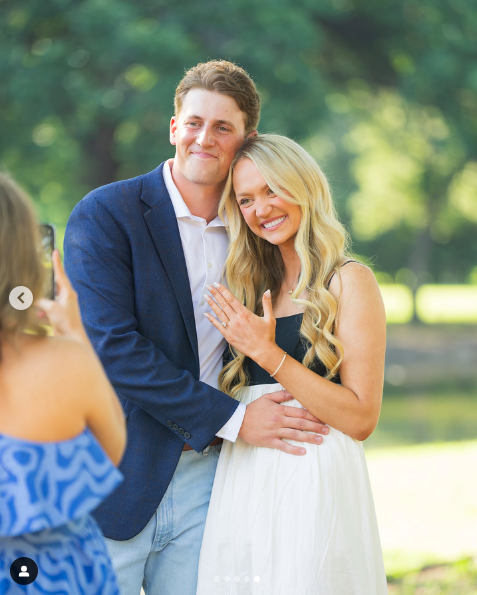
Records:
x=425, y=502
x=447, y=303
x=398, y=303
x=435, y=304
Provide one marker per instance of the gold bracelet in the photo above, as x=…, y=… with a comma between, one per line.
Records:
x=284, y=356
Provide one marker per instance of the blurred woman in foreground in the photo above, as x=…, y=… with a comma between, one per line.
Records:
x=62, y=428
x=301, y=316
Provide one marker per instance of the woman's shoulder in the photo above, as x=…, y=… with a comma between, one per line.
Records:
x=47, y=365
x=65, y=355
x=353, y=277
x=46, y=383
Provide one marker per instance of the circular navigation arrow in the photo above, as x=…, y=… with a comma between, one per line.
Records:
x=21, y=298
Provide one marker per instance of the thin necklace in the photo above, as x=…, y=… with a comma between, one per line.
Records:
x=290, y=291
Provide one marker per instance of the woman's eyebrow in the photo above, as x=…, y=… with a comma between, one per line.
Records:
x=250, y=192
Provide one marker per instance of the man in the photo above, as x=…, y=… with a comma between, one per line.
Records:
x=140, y=254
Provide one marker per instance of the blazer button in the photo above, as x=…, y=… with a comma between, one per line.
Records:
x=175, y=427
x=169, y=423
x=186, y=435
x=181, y=430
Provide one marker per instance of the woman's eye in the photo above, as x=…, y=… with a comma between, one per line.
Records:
x=270, y=192
x=244, y=201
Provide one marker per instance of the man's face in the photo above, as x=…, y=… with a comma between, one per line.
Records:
x=208, y=131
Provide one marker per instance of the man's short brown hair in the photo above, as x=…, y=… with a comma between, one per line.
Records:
x=226, y=78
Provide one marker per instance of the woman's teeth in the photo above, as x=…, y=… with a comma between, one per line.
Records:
x=273, y=223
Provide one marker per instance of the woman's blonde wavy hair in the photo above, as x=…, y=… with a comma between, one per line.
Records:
x=254, y=265
x=20, y=260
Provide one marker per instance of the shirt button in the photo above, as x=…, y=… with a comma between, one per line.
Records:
x=202, y=303
x=210, y=265
x=175, y=427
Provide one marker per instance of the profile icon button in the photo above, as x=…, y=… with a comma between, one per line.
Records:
x=20, y=297
x=23, y=571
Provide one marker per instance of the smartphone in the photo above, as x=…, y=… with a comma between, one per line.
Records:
x=48, y=242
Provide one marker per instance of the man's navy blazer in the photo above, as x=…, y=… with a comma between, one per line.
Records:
x=124, y=257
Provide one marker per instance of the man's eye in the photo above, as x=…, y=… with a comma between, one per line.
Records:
x=193, y=123
x=224, y=129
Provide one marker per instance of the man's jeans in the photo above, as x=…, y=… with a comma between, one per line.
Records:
x=164, y=557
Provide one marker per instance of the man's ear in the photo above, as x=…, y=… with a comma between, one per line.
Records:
x=172, y=131
x=252, y=134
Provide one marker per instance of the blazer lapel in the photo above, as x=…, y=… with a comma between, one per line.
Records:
x=162, y=223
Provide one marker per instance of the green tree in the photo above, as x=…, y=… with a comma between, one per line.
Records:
x=87, y=90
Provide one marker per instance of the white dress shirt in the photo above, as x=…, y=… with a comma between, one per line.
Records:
x=205, y=250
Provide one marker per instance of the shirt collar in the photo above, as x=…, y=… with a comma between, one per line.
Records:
x=180, y=208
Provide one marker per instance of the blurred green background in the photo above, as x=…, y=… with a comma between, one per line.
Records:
x=384, y=95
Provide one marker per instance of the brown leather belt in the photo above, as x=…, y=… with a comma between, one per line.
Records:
x=213, y=443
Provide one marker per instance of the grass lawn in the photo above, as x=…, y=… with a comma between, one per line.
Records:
x=459, y=578
x=426, y=503
x=422, y=462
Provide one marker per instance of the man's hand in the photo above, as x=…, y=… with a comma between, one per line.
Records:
x=267, y=421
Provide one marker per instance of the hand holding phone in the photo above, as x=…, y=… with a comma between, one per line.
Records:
x=48, y=241
x=63, y=313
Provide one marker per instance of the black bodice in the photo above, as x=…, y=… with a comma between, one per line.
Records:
x=287, y=338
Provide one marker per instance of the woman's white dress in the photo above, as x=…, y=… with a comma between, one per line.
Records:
x=280, y=524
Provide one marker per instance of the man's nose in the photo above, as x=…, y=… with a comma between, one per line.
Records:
x=205, y=138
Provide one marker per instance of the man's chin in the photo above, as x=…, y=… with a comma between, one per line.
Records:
x=204, y=177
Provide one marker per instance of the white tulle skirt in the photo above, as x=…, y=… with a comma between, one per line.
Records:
x=280, y=524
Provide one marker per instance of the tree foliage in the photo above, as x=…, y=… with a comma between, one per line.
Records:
x=385, y=96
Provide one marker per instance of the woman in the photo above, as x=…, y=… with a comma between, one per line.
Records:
x=62, y=429
x=312, y=320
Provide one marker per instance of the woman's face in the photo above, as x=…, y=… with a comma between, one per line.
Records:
x=268, y=216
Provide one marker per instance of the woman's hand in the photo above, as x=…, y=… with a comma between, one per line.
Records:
x=63, y=314
x=252, y=335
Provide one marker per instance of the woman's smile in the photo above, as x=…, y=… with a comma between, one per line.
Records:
x=272, y=224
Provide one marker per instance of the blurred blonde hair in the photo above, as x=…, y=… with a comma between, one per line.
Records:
x=254, y=265
x=20, y=262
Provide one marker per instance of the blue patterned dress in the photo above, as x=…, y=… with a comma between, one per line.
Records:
x=47, y=490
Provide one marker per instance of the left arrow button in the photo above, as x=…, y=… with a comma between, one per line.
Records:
x=21, y=298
